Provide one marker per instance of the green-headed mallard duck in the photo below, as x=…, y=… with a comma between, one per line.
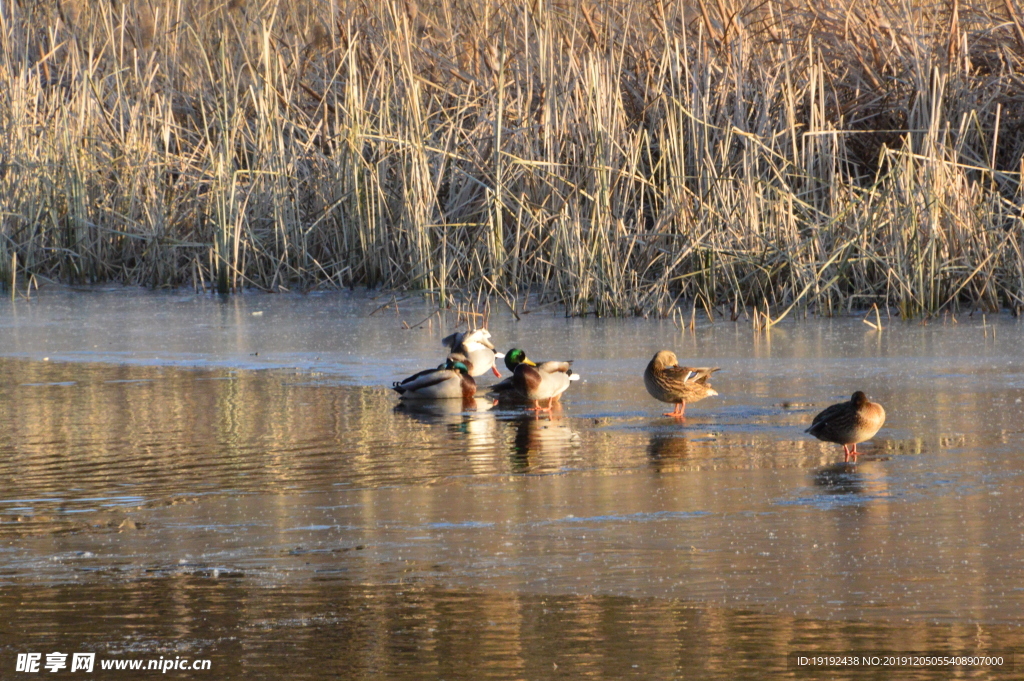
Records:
x=849, y=423
x=449, y=381
x=476, y=346
x=535, y=382
x=669, y=382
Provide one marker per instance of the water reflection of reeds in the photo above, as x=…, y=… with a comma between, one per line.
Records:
x=424, y=631
x=733, y=502
x=152, y=434
x=156, y=433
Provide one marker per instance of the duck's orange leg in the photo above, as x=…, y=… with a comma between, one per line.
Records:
x=537, y=409
x=679, y=412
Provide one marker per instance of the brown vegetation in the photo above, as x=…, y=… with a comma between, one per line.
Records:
x=620, y=156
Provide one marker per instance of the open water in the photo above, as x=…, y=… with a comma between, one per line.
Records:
x=190, y=478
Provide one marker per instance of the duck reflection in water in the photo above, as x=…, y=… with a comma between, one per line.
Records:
x=668, y=451
x=443, y=411
x=470, y=420
x=551, y=438
x=839, y=478
x=867, y=480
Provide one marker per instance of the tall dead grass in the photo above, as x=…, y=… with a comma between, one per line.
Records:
x=618, y=156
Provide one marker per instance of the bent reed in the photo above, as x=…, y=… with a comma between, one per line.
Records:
x=619, y=157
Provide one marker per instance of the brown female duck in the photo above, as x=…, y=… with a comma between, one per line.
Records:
x=667, y=381
x=849, y=423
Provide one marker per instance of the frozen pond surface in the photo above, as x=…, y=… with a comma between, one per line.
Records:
x=232, y=480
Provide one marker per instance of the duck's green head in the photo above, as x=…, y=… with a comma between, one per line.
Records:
x=515, y=357
x=457, y=365
x=460, y=359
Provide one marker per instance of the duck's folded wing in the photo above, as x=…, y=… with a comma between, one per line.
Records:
x=834, y=415
x=502, y=387
x=423, y=379
x=699, y=374
x=555, y=367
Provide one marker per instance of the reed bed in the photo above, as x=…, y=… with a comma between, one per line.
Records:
x=616, y=157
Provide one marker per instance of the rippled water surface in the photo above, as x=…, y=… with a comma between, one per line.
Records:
x=232, y=480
